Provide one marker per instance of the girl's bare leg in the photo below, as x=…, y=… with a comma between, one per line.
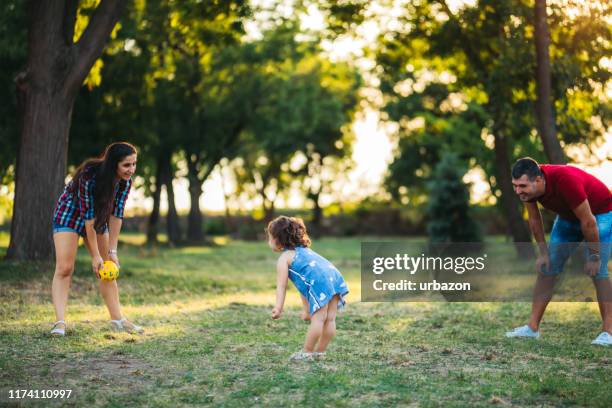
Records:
x=317, y=321
x=329, y=327
x=66, y=244
x=108, y=290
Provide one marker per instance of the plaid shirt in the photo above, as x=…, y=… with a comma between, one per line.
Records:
x=75, y=207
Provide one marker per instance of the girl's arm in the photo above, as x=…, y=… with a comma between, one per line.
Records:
x=282, y=276
x=114, y=227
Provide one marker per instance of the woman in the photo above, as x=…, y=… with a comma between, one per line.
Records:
x=92, y=206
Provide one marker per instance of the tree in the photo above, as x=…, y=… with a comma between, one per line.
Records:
x=327, y=139
x=13, y=56
x=544, y=109
x=193, y=35
x=56, y=67
x=156, y=90
x=226, y=96
x=304, y=108
x=448, y=208
x=481, y=57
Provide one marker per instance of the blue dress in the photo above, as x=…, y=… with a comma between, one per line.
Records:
x=316, y=279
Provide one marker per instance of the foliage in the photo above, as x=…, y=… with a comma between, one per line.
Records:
x=305, y=106
x=13, y=38
x=453, y=78
x=448, y=208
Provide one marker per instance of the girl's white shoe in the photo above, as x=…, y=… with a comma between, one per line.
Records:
x=301, y=356
x=126, y=326
x=59, y=328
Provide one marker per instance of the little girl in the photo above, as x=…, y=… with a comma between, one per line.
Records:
x=320, y=284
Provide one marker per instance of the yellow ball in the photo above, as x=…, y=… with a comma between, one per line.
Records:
x=109, y=272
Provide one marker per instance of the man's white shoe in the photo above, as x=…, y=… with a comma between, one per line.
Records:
x=524, y=331
x=604, y=339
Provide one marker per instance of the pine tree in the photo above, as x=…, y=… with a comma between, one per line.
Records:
x=448, y=207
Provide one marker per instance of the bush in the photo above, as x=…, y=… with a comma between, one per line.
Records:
x=215, y=226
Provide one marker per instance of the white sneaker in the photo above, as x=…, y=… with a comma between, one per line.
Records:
x=604, y=339
x=524, y=332
x=58, y=331
x=126, y=326
x=301, y=356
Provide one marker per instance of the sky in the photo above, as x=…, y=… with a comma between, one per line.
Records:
x=373, y=148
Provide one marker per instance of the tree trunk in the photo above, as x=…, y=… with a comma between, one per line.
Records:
x=153, y=224
x=46, y=89
x=172, y=221
x=544, y=109
x=510, y=203
x=226, y=196
x=174, y=227
x=269, y=212
x=267, y=206
x=195, y=228
x=41, y=168
x=317, y=211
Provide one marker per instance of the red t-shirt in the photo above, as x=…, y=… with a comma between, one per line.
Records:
x=567, y=187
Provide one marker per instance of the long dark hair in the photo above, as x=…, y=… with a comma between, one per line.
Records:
x=104, y=169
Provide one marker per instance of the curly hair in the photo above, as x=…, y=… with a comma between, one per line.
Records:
x=289, y=232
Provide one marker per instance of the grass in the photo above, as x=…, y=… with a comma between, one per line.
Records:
x=210, y=340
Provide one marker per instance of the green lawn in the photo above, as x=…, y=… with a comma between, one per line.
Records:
x=210, y=340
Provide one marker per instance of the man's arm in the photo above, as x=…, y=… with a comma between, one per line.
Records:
x=588, y=225
x=537, y=229
x=537, y=226
x=590, y=232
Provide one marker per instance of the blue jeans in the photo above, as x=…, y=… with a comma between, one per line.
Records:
x=567, y=235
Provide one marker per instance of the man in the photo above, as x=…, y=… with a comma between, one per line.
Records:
x=584, y=212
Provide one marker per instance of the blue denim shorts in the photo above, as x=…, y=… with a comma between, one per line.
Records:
x=567, y=235
x=60, y=228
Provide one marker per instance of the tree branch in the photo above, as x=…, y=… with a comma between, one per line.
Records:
x=92, y=42
x=471, y=54
x=70, y=16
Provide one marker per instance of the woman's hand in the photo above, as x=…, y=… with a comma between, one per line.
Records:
x=276, y=312
x=96, y=264
x=305, y=315
x=113, y=257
